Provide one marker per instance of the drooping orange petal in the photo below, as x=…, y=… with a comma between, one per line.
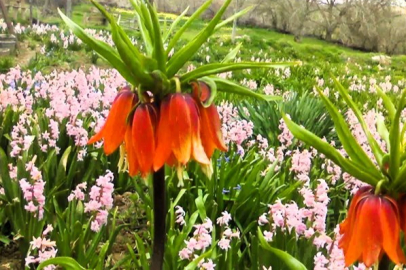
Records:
x=201, y=91
x=114, y=129
x=180, y=127
x=198, y=152
x=116, y=124
x=402, y=212
x=143, y=131
x=212, y=137
x=131, y=156
x=389, y=217
x=372, y=242
x=163, y=137
x=347, y=226
x=97, y=137
x=355, y=241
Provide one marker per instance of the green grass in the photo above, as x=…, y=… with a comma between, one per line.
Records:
x=276, y=45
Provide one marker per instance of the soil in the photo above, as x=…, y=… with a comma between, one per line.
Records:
x=10, y=257
x=25, y=53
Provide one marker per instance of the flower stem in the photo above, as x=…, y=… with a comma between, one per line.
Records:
x=159, y=220
x=384, y=263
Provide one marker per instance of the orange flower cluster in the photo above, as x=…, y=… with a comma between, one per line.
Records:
x=173, y=132
x=372, y=228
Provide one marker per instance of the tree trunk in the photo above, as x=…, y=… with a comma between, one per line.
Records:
x=234, y=31
x=45, y=8
x=31, y=12
x=6, y=18
x=329, y=35
x=68, y=8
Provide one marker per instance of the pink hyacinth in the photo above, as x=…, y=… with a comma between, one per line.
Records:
x=42, y=249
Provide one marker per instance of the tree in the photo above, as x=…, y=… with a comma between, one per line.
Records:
x=68, y=8
x=6, y=18
x=331, y=15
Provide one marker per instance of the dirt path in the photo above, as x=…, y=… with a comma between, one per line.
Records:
x=25, y=53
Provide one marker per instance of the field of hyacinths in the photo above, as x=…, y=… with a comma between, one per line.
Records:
x=269, y=196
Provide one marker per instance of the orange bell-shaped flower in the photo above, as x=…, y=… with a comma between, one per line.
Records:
x=113, y=131
x=210, y=132
x=144, y=124
x=178, y=132
x=371, y=228
x=402, y=210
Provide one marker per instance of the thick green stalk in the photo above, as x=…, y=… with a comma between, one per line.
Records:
x=159, y=220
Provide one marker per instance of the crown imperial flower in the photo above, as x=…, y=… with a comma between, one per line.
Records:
x=371, y=228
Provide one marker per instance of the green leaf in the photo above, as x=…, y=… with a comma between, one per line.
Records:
x=175, y=23
x=193, y=264
x=113, y=236
x=233, y=88
x=159, y=51
x=141, y=251
x=330, y=152
x=216, y=68
x=200, y=206
x=5, y=177
x=383, y=130
x=145, y=31
x=4, y=239
x=232, y=54
x=102, y=48
x=180, y=195
x=394, y=138
x=66, y=262
x=376, y=149
x=179, y=59
x=290, y=261
x=192, y=18
x=233, y=17
x=400, y=179
x=390, y=107
x=128, y=52
x=350, y=144
x=213, y=90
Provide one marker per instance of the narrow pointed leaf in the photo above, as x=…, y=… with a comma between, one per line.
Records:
x=191, y=19
x=102, y=48
x=159, y=51
x=390, y=107
x=184, y=54
x=130, y=55
x=400, y=179
x=145, y=33
x=394, y=138
x=232, y=54
x=233, y=88
x=6, y=181
x=216, y=68
x=66, y=262
x=330, y=152
x=234, y=17
x=290, y=261
x=194, y=264
x=350, y=144
x=383, y=130
x=175, y=23
x=376, y=149
x=147, y=17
